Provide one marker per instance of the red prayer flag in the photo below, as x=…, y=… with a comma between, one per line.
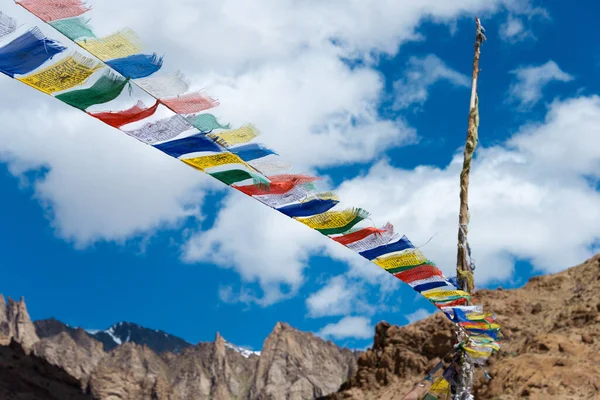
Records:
x=190, y=103
x=53, y=10
x=120, y=118
x=356, y=236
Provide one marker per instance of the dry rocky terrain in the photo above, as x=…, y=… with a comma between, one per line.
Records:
x=551, y=346
x=551, y=350
x=68, y=363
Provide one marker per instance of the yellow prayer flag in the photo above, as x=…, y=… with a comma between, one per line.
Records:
x=442, y=386
x=330, y=219
x=325, y=196
x=476, y=353
x=441, y=294
x=65, y=74
x=237, y=136
x=118, y=45
x=214, y=160
x=406, y=259
x=478, y=325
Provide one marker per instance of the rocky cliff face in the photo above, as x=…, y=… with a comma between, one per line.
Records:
x=16, y=324
x=293, y=364
x=551, y=351
x=28, y=377
x=551, y=348
x=122, y=332
x=296, y=365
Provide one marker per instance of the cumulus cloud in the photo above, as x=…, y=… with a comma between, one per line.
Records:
x=527, y=195
x=338, y=297
x=100, y=184
x=348, y=327
x=518, y=24
x=261, y=245
x=513, y=30
x=530, y=82
x=275, y=63
x=420, y=74
x=418, y=315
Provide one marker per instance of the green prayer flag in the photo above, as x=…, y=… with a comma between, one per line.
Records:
x=73, y=28
x=237, y=175
x=106, y=89
x=206, y=122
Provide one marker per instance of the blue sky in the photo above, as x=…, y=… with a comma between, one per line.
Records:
x=98, y=228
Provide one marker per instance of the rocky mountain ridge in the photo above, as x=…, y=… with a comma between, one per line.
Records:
x=293, y=365
x=117, y=334
x=551, y=350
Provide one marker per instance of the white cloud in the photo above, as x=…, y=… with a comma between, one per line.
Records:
x=260, y=244
x=530, y=198
x=421, y=73
x=531, y=80
x=338, y=297
x=513, y=30
x=418, y=315
x=100, y=183
x=271, y=62
x=517, y=27
x=348, y=327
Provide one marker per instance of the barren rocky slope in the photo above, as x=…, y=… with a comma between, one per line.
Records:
x=551, y=346
x=551, y=351
x=293, y=365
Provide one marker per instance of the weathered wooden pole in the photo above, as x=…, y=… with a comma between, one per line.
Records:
x=464, y=268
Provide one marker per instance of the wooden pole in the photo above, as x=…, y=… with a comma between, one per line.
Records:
x=464, y=268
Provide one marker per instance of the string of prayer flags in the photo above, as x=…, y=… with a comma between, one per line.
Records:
x=168, y=85
x=137, y=66
x=7, y=25
x=190, y=103
x=105, y=89
x=65, y=74
x=27, y=52
x=206, y=122
x=74, y=28
x=237, y=136
x=120, y=118
x=162, y=130
x=118, y=45
x=248, y=167
x=55, y=9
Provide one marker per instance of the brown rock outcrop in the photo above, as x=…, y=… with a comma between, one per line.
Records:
x=550, y=350
x=16, y=325
x=79, y=356
x=28, y=377
x=131, y=372
x=293, y=365
x=297, y=365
